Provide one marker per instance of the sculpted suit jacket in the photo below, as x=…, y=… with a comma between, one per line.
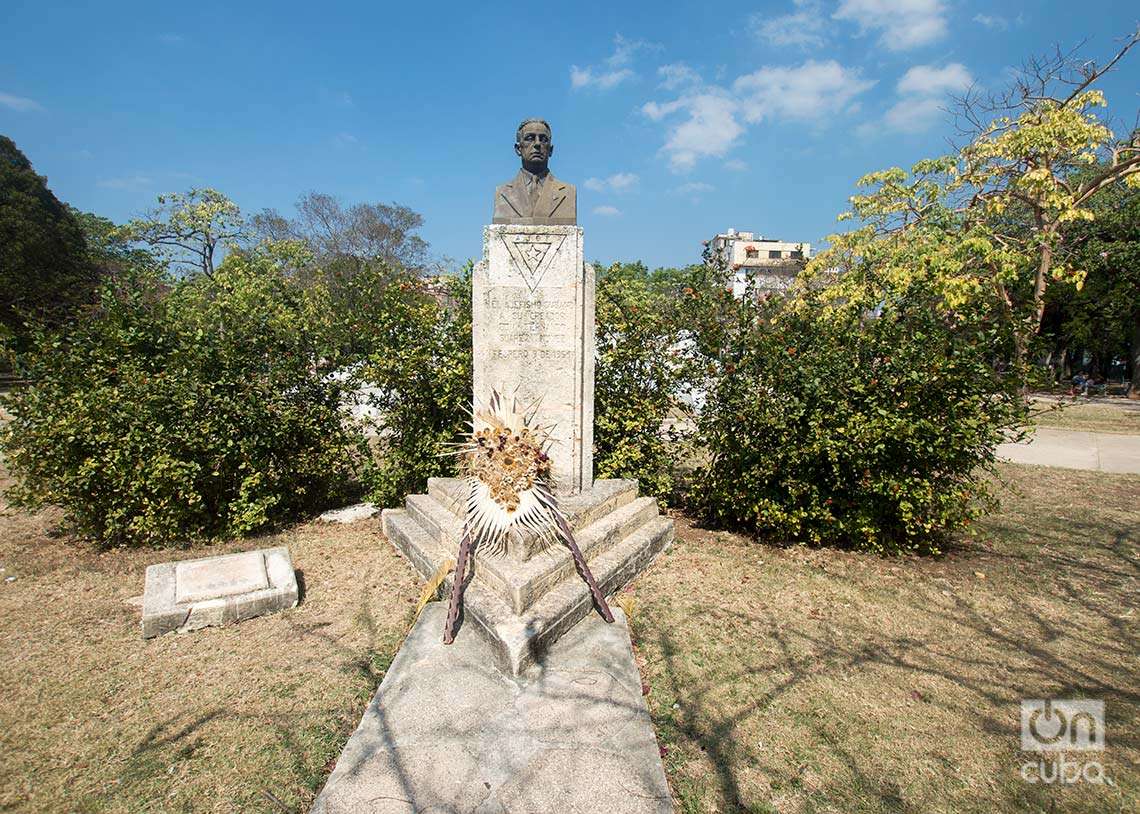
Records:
x=557, y=203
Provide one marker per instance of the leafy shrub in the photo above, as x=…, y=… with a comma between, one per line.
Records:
x=420, y=371
x=640, y=375
x=183, y=409
x=835, y=425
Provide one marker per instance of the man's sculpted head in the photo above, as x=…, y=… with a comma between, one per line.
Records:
x=534, y=144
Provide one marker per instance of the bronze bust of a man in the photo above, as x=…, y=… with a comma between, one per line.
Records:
x=535, y=197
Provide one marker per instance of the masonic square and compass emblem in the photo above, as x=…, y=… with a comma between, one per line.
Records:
x=533, y=255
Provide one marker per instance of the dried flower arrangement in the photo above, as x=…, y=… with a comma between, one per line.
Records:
x=508, y=475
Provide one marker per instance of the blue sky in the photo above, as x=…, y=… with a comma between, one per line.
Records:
x=675, y=120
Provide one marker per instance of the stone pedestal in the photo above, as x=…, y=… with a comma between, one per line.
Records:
x=533, y=337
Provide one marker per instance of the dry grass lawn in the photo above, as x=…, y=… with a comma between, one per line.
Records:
x=794, y=680
x=781, y=680
x=243, y=718
x=1119, y=418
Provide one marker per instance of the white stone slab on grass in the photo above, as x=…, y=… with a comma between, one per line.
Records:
x=350, y=514
x=192, y=594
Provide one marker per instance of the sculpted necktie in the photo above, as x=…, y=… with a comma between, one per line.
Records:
x=535, y=191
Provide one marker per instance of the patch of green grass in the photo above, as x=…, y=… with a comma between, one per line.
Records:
x=1122, y=418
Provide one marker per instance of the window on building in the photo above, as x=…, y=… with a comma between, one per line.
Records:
x=797, y=254
x=774, y=254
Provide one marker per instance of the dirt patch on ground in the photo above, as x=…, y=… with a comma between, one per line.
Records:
x=795, y=680
x=244, y=718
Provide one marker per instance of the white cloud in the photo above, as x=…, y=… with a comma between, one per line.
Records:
x=993, y=22
x=694, y=190
x=922, y=94
x=904, y=24
x=618, y=182
x=127, y=182
x=914, y=115
x=678, y=75
x=171, y=39
x=805, y=28
x=812, y=90
x=714, y=117
x=614, y=69
x=735, y=165
x=586, y=77
x=21, y=104
x=710, y=128
x=345, y=140
x=607, y=211
x=928, y=80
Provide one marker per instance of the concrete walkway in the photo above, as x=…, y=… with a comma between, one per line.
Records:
x=1074, y=449
x=448, y=732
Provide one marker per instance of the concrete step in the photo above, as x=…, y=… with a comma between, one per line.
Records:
x=532, y=579
x=522, y=582
x=443, y=525
x=424, y=552
x=520, y=639
x=569, y=602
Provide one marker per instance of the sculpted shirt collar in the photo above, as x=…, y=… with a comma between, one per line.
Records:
x=531, y=179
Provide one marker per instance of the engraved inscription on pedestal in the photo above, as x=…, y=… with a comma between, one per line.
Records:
x=533, y=336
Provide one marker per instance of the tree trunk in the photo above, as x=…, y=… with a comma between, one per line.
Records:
x=1041, y=281
x=1134, y=360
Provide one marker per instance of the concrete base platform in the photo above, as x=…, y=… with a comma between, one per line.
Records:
x=447, y=731
x=524, y=600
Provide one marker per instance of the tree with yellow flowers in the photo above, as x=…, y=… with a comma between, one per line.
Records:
x=988, y=221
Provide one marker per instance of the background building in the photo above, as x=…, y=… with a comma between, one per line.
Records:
x=772, y=264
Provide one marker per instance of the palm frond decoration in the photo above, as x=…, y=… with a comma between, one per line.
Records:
x=431, y=588
x=509, y=484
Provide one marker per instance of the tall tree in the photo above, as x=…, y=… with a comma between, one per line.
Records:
x=108, y=245
x=1030, y=148
x=363, y=232
x=1100, y=313
x=44, y=266
x=188, y=229
x=988, y=220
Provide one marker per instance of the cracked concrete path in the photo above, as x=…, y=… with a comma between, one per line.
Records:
x=1074, y=449
x=448, y=732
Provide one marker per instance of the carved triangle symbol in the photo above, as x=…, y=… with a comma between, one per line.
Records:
x=533, y=255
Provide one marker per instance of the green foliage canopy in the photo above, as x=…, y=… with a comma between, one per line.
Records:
x=45, y=271
x=183, y=409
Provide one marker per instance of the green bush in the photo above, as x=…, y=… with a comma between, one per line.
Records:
x=184, y=409
x=420, y=370
x=641, y=373
x=837, y=426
